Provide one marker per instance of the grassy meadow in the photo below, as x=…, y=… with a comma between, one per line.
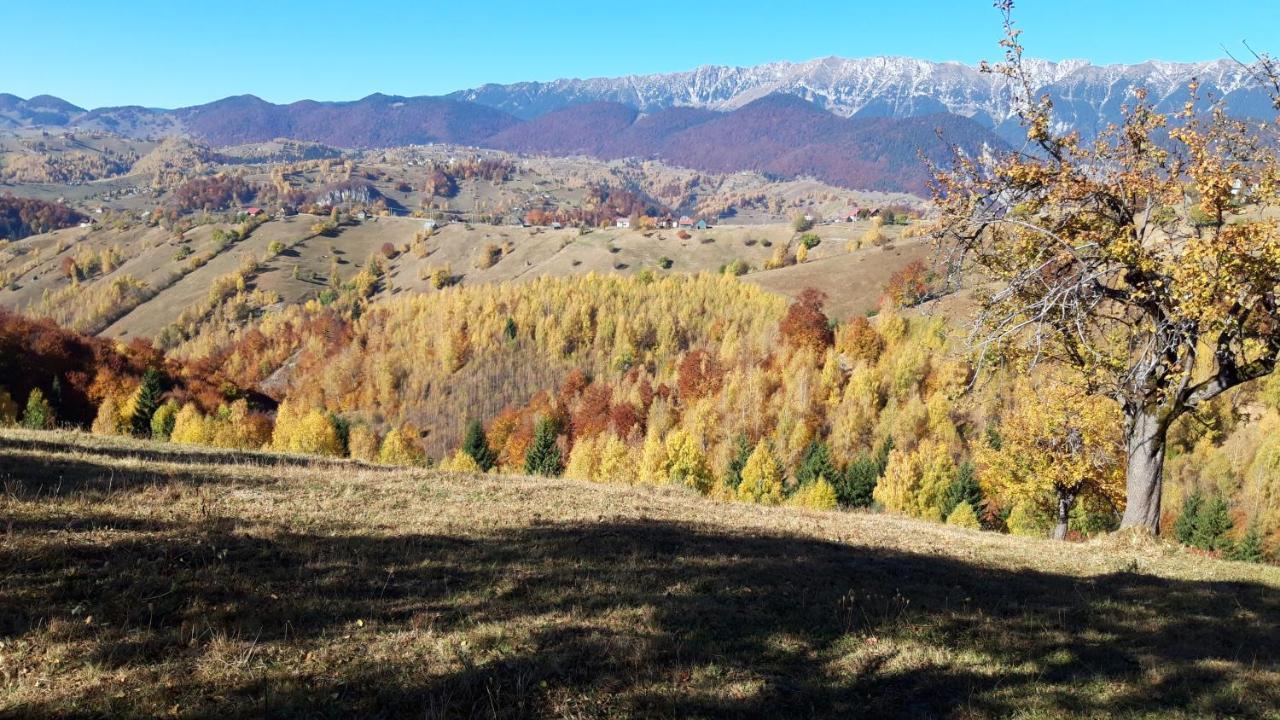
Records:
x=146, y=580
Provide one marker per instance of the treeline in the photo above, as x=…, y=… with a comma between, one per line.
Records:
x=22, y=217
x=73, y=167
x=218, y=192
x=602, y=205
x=73, y=376
x=713, y=385
x=442, y=178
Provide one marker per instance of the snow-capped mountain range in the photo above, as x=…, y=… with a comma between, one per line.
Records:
x=1086, y=96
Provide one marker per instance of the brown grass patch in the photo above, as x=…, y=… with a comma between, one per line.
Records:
x=145, y=580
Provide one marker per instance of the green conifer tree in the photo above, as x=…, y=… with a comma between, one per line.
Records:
x=859, y=481
x=741, y=451
x=816, y=463
x=964, y=489
x=1212, y=526
x=1184, y=529
x=147, y=402
x=476, y=445
x=543, y=456
x=1249, y=549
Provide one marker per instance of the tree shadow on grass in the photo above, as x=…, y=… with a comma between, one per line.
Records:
x=624, y=618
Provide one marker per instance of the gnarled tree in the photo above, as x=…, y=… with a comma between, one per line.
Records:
x=1142, y=260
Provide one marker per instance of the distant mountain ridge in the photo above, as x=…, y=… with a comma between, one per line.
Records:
x=861, y=123
x=779, y=135
x=1087, y=96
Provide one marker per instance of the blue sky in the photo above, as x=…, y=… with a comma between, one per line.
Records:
x=168, y=53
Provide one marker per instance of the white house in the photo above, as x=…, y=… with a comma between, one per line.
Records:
x=624, y=223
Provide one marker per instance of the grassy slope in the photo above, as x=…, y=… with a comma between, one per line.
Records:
x=144, y=580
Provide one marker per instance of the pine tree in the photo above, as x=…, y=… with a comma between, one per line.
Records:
x=882, y=455
x=146, y=402
x=543, y=456
x=859, y=482
x=477, y=446
x=510, y=330
x=733, y=473
x=38, y=414
x=1184, y=529
x=964, y=489
x=1249, y=549
x=1212, y=526
x=816, y=463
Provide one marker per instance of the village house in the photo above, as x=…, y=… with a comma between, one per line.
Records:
x=686, y=221
x=623, y=223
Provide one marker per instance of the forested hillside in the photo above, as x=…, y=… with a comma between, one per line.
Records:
x=701, y=381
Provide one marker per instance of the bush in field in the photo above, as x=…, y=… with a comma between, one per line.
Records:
x=38, y=415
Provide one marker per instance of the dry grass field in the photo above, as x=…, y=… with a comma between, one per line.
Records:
x=141, y=580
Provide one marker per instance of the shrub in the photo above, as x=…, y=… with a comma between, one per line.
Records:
x=163, y=420
x=397, y=449
x=363, y=443
x=306, y=431
x=8, y=409
x=810, y=240
x=817, y=495
x=487, y=257
x=964, y=516
x=1026, y=521
x=665, y=262
x=460, y=462
x=38, y=415
x=189, y=426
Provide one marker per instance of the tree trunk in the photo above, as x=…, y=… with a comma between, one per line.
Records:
x=1144, y=474
x=1065, y=501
